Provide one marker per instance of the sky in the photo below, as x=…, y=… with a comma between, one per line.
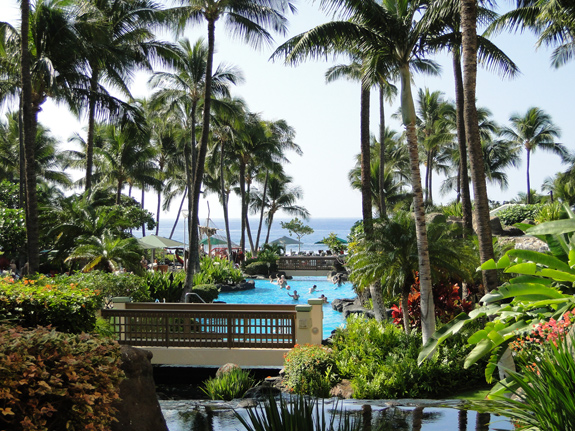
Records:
x=326, y=116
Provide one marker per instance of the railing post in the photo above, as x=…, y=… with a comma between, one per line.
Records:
x=303, y=327
x=316, y=319
x=119, y=303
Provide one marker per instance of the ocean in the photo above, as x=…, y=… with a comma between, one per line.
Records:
x=322, y=228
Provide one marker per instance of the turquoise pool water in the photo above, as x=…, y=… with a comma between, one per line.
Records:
x=270, y=293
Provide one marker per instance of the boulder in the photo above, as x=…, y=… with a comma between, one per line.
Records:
x=495, y=223
x=512, y=231
x=226, y=368
x=244, y=285
x=338, y=304
x=357, y=309
x=342, y=390
x=435, y=218
x=139, y=409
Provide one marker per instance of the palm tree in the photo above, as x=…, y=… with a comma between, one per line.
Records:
x=397, y=29
x=534, y=130
x=247, y=19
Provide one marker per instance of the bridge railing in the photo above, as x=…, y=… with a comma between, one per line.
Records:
x=205, y=325
x=306, y=263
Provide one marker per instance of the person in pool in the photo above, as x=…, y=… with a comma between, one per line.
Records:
x=323, y=297
x=295, y=296
x=282, y=281
x=313, y=289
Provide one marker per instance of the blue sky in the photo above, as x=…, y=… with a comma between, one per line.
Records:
x=326, y=116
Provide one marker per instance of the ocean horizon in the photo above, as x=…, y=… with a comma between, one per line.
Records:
x=322, y=228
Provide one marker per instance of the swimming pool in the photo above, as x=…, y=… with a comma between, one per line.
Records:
x=270, y=293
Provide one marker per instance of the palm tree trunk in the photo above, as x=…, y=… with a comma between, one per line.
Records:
x=409, y=116
x=377, y=300
x=225, y=204
x=270, y=222
x=91, y=127
x=242, y=181
x=29, y=115
x=481, y=213
x=142, y=206
x=262, y=210
x=21, y=158
x=462, y=420
x=119, y=192
x=179, y=212
x=463, y=178
x=158, y=209
x=248, y=228
x=528, y=182
x=405, y=308
x=382, y=205
x=430, y=184
x=365, y=163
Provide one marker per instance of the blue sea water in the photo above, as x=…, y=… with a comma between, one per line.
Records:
x=322, y=228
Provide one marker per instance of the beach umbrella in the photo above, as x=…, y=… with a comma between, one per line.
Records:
x=217, y=240
x=154, y=241
x=285, y=240
x=343, y=241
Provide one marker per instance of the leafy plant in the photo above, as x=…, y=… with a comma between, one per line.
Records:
x=257, y=268
x=334, y=244
x=12, y=230
x=229, y=385
x=56, y=381
x=302, y=414
x=208, y=292
x=297, y=228
x=544, y=389
x=122, y=284
x=454, y=209
x=550, y=212
x=310, y=369
x=216, y=270
x=518, y=213
x=164, y=286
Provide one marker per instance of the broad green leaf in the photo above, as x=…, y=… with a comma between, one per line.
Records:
x=442, y=334
x=557, y=275
x=520, y=289
x=523, y=268
x=503, y=387
x=496, y=337
x=553, y=227
x=572, y=258
x=478, y=352
x=530, y=279
x=541, y=259
x=487, y=265
x=478, y=336
x=503, y=262
x=523, y=226
x=487, y=310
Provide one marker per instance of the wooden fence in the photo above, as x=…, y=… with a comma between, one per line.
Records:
x=205, y=325
x=306, y=263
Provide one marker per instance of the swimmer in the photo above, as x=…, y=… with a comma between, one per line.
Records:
x=282, y=281
x=313, y=289
x=324, y=298
x=295, y=296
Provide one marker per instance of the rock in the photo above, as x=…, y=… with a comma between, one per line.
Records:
x=356, y=309
x=244, y=285
x=247, y=403
x=342, y=390
x=495, y=223
x=435, y=218
x=338, y=304
x=226, y=368
x=512, y=231
x=139, y=409
x=264, y=391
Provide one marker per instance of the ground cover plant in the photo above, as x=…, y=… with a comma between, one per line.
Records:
x=228, y=385
x=56, y=381
x=518, y=213
x=310, y=369
x=217, y=270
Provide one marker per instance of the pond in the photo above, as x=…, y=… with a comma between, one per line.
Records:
x=397, y=415
x=270, y=293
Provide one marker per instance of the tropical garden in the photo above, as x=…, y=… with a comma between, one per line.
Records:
x=450, y=324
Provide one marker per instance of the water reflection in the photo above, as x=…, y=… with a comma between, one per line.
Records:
x=181, y=416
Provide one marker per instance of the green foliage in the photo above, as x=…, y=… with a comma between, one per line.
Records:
x=550, y=212
x=310, y=369
x=544, y=388
x=110, y=285
x=381, y=362
x=56, y=381
x=229, y=385
x=208, y=292
x=454, y=209
x=303, y=414
x=257, y=268
x=297, y=228
x=9, y=195
x=217, y=270
x=12, y=230
x=268, y=256
x=334, y=244
x=164, y=286
x=518, y=213
x=67, y=307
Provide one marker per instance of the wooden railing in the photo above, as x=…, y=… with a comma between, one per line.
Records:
x=307, y=263
x=205, y=325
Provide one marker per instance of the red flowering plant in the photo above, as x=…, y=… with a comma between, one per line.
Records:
x=553, y=331
x=447, y=300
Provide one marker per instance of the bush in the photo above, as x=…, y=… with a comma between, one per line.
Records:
x=164, y=286
x=229, y=385
x=208, y=292
x=550, y=212
x=216, y=270
x=44, y=302
x=310, y=369
x=110, y=285
x=518, y=213
x=56, y=381
x=381, y=362
x=257, y=268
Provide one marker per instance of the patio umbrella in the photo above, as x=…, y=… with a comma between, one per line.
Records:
x=154, y=241
x=217, y=240
x=285, y=240
x=343, y=241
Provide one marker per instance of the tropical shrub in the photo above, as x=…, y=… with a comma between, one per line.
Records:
x=110, y=285
x=229, y=385
x=543, y=389
x=381, y=362
x=164, y=286
x=447, y=300
x=518, y=213
x=56, y=381
x=66, y=307
x=310, y=369
x=12, y=230
x=550, y=212
x=454, y=209
x=257, y=268
x=208, y=292
x=217, y=270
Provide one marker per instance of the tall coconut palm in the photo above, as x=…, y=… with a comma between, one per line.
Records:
x=399, y=30
x=247, y=19
x=533, y=130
